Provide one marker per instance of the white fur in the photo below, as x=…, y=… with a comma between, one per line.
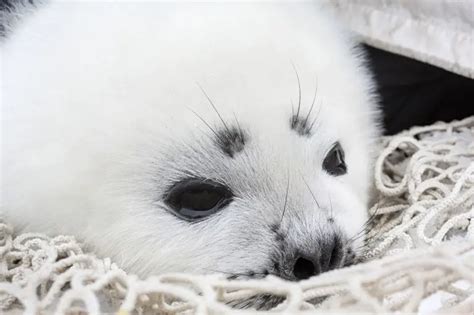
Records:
x=97, y=101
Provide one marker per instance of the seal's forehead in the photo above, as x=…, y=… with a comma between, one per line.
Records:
x=271, y=127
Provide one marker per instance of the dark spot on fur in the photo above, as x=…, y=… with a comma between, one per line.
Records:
x=350, y=258
x=301, y=125
x=279, y=237
x=10, y=10
x=231, y=140
x=276, y=266
x=274, y=228
x=331, y=220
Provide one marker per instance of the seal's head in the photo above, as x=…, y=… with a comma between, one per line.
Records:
x=232, y=138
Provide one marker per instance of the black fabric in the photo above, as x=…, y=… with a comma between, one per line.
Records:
x=416, y=93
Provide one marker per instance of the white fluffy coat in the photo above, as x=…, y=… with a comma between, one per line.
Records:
x=97, y=122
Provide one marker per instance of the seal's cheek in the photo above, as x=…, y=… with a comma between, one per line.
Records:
x=349, y=212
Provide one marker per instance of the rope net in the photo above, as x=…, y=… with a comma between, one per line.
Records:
x=418, y=257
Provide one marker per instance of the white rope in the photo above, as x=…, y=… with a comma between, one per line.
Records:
x=425, y=181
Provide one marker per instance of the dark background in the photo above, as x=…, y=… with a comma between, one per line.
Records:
x=416, y=93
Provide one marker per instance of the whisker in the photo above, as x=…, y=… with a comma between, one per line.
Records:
x=292, y=111
x=312, y=105
x=330, y=204
x=361, y=232
x=316, y=118
x=207, y=124
x=299, y=92
x=374, y=236
x=214, y=107
x=312, y=194
x=361, y=235
x=241, y=133
x=234, y=275
x=286, y=196
x=370, y=241
x=364, y=226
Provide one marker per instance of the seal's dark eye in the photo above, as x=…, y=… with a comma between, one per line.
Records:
x=334, y=161
x=195, y=199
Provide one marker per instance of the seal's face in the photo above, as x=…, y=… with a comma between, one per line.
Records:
x=277, y=196
x=272, y=212
x=269, y=178
x=205, y=138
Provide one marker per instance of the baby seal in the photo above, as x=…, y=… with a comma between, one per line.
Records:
x=232, y=138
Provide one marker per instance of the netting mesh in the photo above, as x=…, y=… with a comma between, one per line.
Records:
x=418, y=256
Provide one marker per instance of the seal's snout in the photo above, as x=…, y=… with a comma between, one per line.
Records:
x=329, y=255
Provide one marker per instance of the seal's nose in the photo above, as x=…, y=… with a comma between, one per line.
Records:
x=330, y=256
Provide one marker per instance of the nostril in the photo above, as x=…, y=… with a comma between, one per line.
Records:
x=304, y=268
x=333, y=256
